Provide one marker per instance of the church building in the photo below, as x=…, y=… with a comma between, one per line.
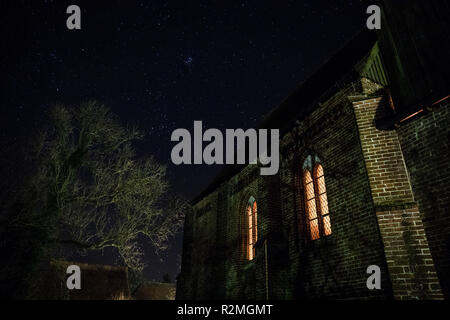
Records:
x=364, y=179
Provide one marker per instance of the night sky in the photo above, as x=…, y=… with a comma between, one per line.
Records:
x=162, y=65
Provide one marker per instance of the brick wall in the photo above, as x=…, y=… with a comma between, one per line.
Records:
x=198, y=251
x=425, y=142
x=335, y=266
x=408, y=255
x=409, y=260
x=374, y=217
x=388, y=177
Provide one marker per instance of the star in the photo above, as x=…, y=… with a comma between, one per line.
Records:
x=188, y=61
x=163, y=66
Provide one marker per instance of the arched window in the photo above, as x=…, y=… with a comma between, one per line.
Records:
x=316, y=202
x=252, y=227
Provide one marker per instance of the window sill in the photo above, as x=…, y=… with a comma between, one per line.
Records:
x=249, y=264
x=323, y=242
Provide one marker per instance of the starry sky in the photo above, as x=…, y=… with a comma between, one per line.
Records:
x=163, y=64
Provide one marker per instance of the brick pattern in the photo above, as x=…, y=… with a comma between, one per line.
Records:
x=373, y=215
x=408, y=256
x=425, y=143
x=409, y=260
x=388, y=178
x=333, y=267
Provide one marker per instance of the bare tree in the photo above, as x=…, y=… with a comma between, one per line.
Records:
x=87, y=191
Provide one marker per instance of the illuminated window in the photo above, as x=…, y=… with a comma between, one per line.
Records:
x=316, y=202
x=252, y=227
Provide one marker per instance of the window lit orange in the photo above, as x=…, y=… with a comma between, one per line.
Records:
x=310, y=204
x=252, y=231
x=316, y=202
x=322, y=199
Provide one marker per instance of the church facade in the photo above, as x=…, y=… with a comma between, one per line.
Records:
x=363, y=181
